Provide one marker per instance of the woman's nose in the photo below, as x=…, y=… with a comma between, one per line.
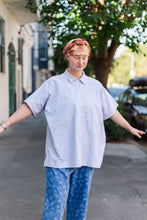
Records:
x=80, y=60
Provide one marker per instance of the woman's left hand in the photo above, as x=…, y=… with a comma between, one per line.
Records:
x=136, y=132
x=119, y=119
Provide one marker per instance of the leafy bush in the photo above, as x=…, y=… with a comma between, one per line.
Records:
x=114, y=131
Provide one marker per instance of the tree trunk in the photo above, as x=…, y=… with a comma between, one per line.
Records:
x=101, y=68
x=102, y=62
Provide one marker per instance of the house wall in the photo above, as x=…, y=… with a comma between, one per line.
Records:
x=11, y=36
x=23, y=72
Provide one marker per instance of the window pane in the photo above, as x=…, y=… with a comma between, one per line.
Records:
x=2, y=45
x=20, y=42
x=43, y=48
x=140, y=99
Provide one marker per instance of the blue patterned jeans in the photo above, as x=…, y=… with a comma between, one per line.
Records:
x=69, y=186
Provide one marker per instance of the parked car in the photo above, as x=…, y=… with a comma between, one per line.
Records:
x=134, y=103
x=116, y=91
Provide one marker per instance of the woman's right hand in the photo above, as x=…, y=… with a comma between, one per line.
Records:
x=1, y=129
x=23, y=112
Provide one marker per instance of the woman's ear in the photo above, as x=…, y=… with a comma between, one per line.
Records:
x=67, y=56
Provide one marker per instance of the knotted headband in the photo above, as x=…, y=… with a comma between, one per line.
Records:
x=77, y=44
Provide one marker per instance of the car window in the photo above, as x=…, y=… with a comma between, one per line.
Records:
x=121, y=97
x=140, y=99
x=126, y=97
x=129, y=99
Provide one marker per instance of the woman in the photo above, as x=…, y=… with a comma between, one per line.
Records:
x=75, y=107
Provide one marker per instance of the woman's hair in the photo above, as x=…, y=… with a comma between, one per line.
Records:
x=79, y=42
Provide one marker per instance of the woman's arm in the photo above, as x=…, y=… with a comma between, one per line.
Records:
x=23, y=112
x=118, y=119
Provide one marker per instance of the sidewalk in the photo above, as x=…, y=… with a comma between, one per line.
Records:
x=119, y=188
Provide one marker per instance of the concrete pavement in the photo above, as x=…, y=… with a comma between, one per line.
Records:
x=119, y=188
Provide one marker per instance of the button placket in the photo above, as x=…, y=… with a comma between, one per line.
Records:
x=81, y=101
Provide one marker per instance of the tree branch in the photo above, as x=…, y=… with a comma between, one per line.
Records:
x=100, y=4
x=112, y=49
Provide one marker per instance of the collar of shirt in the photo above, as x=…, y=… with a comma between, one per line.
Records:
x=72, y=79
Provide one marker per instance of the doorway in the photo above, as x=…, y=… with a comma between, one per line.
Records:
x=12, y=67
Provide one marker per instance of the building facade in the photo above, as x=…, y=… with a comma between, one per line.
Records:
x=14, y=46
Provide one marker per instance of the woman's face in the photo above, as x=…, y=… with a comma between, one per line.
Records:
x=77, y=62
x=78, y=58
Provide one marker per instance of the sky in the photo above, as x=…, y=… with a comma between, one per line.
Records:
x=119, y=50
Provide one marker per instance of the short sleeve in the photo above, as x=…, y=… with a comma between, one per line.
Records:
x=37, y=100
x=109, y=105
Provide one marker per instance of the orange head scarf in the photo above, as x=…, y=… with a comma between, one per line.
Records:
x=77, y=46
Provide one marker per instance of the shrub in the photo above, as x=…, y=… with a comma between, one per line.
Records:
x=114, y=131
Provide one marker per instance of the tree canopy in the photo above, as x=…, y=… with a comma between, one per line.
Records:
x=104, y=24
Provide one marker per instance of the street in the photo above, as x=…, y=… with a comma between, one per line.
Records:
x=119, y=188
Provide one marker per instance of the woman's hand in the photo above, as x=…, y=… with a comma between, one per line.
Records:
x=119, y=119
x=136, y=132
x=23, y=112
x=1, y=129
